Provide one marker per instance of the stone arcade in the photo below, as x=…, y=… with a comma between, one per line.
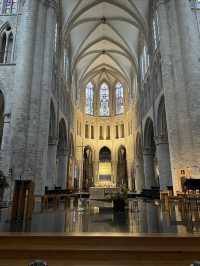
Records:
x=100, y=109
x=82, y=77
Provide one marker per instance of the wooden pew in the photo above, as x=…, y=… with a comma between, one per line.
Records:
x=97, y=249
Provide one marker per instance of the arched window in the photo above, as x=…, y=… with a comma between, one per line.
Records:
x=104, y=100
x=89, y=99
x=56, y=37
x=119, y=95
x=156, y=34
x=9, y=48
x=9, y=7
x=6, y=46
x=195, y=3
x=144, y=62
x=3, y=47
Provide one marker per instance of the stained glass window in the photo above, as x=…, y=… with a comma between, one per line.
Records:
x=156, y=35
x=144, y=62
x=195, y=3
x=104, y=100
x=10, y=7
x=89, y=96
x=119, y=95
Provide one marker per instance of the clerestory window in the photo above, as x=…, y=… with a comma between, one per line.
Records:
x=89, y=99
x=104, y=100
x=6, y=46
x=119, y=96
x=9, y=7
x=156, y=34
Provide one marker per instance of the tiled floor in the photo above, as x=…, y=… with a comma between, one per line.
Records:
x=90, y=216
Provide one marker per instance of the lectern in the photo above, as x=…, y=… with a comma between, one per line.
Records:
x=23, y=200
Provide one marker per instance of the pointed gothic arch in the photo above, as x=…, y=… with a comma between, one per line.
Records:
x=122, y=171
x=62, y=155
x=164, y=163
x=150, y=158
x=88, y=171
x=6, y=44
x=139, y=164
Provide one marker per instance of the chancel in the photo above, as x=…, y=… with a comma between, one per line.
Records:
x=99, y=132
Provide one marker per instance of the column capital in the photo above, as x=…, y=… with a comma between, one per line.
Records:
x=53, y=140
x=161, y=139
x=148, y=151
x=62, y=153
x=51, y=3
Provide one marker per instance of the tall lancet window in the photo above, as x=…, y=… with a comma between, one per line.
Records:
x=104, y=100
x=119, y=96
x=89, y=99
x=9, y=7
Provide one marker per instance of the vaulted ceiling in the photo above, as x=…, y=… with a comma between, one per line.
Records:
x=103, y=36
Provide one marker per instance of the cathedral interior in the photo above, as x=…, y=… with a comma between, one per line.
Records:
x=99, y=131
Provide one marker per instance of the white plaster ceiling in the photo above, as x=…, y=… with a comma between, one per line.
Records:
x=103, y=36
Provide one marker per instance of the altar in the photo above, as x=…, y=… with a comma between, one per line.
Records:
x=104, y=185
x=102, y=193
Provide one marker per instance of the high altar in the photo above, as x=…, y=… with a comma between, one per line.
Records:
x=104, y=185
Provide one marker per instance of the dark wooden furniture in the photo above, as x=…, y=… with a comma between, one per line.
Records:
x=23, y=200
x=191, y=184
x=98, y=249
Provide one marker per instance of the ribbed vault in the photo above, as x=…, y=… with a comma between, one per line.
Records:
x=103, y=37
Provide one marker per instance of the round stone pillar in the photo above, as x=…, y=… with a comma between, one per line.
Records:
x=165, y=175
x=46, y=90
x=51, y=164
x=62, y=169
x=149, y=169
x=23, y=82
x=139, y=176
x=190, y=44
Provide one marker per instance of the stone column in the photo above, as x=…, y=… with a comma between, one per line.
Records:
x=23, y=80
x=181, y=80
x=139, y=175
x=62, y=169
x=5, y=155
x=32, y=147
x=165, y=174
x=51, y=164
x=190, y=43
x=149, y=171
x=47, y=87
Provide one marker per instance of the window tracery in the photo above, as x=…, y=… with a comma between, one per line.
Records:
x=104, y=100
x=9, y=7
x=89, y=98
x=6, y=46
x=119, y=97
x=156, y=35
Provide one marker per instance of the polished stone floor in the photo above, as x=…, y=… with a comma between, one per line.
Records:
x=141, y=217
